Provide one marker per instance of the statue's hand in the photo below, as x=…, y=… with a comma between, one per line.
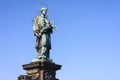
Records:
x=37, y=34
x=54, y=28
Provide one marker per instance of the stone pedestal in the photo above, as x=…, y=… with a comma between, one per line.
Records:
x=40, y=71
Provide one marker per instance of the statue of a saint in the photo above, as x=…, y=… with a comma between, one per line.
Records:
x=42, y=30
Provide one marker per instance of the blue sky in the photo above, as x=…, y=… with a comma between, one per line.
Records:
x=87, y=42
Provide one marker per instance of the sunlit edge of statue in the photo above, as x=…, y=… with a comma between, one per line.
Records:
x=42, y=30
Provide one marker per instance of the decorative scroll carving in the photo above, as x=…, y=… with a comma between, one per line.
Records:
x=24, y=77
x=34, y=74
x=49, y=76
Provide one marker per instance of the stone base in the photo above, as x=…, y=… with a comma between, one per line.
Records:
x=40, y=71
x=42, y=60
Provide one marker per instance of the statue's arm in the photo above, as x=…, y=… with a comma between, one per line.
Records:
x=53, y=27
x=36, y=28
x=37, y=33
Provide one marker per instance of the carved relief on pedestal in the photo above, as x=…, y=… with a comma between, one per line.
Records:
x=34, y=74
x=49, y=75
x=24, y=77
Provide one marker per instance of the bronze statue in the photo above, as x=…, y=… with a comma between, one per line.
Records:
x=42, y=30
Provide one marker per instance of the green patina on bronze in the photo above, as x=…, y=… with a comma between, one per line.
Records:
x=42, y=30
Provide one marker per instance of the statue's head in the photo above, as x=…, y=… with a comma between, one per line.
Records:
x=43, y=11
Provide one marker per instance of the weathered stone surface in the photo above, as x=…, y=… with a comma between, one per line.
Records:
x=40, y=71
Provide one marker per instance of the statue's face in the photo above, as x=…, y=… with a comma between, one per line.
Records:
x=44, y=12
